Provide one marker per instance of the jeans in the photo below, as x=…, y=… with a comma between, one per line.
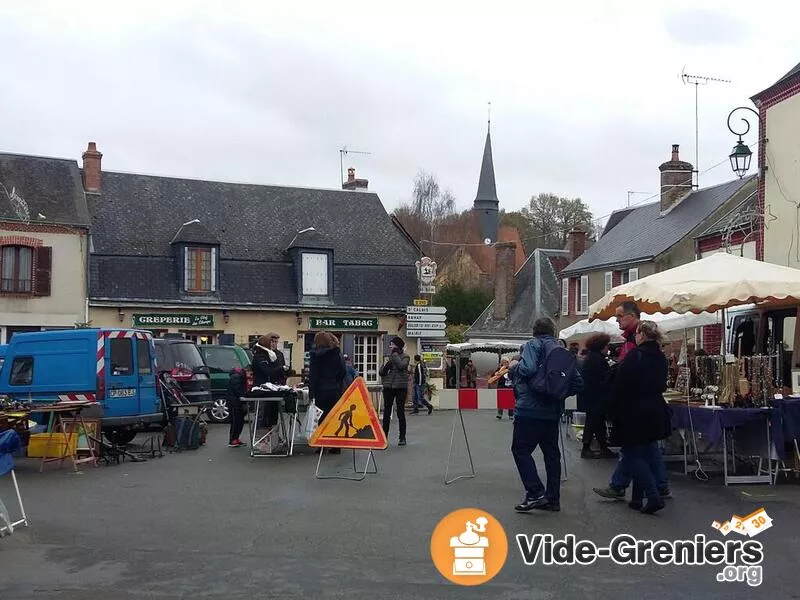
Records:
x=622, y=477
x=237, y=420
x=419, y=397
x=637, y=460
x=394, y=396
x=528, y=434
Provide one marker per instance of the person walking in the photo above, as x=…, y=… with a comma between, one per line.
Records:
x=595, y=396
x=327, y=374
x=641, y=414
x=538, y=411
x=394, y=378
x=471, y=374
x=420, y=379
x=502, y=383
x=269, y=366
x=237, y=388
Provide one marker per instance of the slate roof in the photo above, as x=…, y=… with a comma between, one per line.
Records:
x=523, y=313
x=615, y=219
x=644, y=233
x=49, y=186
x=135, y=217
x=194, y=232
x=792, y=72
x=487, y=188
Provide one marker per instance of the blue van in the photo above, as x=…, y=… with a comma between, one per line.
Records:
x=114, y=367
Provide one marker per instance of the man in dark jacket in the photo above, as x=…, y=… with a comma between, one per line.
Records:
x=269, y=366
x=237, y=387
x=536, y=423
x=420, y=378
x=394, y=375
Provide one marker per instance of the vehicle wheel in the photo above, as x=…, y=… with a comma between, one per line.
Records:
x=219, y=413
x=120, y=436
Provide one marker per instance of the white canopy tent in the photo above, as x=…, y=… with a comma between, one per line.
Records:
x=666, y=322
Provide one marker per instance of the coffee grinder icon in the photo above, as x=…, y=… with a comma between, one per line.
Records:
x=469, y=549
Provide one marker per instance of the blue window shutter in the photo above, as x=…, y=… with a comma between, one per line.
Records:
x=213, y=269
x=185, y=268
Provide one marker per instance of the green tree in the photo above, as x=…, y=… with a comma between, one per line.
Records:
x=552, y=216
x=520, y=222
x=464, y=305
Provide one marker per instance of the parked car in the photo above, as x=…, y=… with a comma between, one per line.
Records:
x=220, y=360
x=183, y=361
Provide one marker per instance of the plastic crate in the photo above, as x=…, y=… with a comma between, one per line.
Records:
x=51, y=445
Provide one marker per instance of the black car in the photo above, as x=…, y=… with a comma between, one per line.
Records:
x=182, y=360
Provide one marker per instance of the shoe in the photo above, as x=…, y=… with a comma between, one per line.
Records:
x=550, y=507
x=236, y=444
x=530, y=504
x=499, y=417
x=589, y=454
x=635, y=505
x=609, y=492
x=652, y=508
x=666, y=494
x=430, y=408
x=401, y=442
x=415, y=411
x=510, y=417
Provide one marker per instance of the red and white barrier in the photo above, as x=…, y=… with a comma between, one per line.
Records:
x=476, y=399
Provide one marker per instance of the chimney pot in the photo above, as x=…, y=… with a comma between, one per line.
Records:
x=676, y=180
x=576, y=243
x=351, y=174
x=352, y=183
x=675, y=156
x=92, y=171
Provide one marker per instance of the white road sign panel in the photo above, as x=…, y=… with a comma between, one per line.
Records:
x=428, y=333
x=427, y=289
x=429, y=318
x=426, y=325
x=426, y=310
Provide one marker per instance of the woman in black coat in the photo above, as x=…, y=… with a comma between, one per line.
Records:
x=595, y=395
x=640, y=413
x=327, y=373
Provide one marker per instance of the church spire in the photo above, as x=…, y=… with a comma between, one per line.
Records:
x=486, y=204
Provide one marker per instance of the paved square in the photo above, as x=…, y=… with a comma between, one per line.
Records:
x=214, y=523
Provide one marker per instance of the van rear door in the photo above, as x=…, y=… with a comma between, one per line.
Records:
x=149, y=402
x=122, y=390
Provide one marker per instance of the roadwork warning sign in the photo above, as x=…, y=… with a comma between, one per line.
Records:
x=352, y=422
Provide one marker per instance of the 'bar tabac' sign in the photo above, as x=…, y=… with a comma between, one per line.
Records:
x=161, y=320
x=343, y=322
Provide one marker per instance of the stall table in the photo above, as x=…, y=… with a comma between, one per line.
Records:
x=718, y=424
x=55, y=423
x=289, y=403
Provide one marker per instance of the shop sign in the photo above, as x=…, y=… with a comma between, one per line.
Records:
x=343, y=322
x=433, y=360
x=162, y=320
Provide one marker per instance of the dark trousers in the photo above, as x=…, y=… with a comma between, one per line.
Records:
x=595, y=426
x=419, y=397
x=325, y=400
x=637, y=460
x=621, y=478
x=237, y=420
x=528, y=434
x=396, y=396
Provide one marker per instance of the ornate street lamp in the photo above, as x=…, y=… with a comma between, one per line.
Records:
x=741, y=154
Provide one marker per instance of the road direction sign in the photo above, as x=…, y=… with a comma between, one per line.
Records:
x=426, y=325
x=426, y=310
x=416, y=318
x=427, y=289
x=425, y=333
x=421, y=302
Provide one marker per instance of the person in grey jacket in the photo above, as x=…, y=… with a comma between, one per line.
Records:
x=394, y=376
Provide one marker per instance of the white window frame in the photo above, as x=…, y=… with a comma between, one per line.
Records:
x=583, y=295
x=365, y=357
x=315, y=274
x=565, y=296
x=633, y=274
x=608, y=280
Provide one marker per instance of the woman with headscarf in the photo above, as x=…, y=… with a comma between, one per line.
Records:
x=269, y=366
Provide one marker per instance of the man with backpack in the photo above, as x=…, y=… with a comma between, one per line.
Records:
x=544, y=376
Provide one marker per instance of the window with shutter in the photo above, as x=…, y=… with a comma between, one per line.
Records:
x=44, y=270
x=633, y=274
x=609, y=281
x=16, y=269
x=200, y=270
x=565, y=296
x=315, y=274
x=583, y=295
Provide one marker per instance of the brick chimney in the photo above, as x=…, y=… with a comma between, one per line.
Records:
x=352, y=183
x=676, y=180
x=92, y=173
x=505, y=260
x=576, y=243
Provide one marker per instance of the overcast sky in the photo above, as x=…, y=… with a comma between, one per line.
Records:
x=586, y=96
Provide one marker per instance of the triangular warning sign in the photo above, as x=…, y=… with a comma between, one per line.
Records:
x=351, y=423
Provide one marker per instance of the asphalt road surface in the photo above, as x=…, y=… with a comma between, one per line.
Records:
x=214, y=523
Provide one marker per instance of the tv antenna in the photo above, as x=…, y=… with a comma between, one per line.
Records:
x=18, y=204
x=631, y=193
x=342, y=151
x=697, y=81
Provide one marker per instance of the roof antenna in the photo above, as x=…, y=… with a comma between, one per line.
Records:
x=698, y=80
x=342, y=151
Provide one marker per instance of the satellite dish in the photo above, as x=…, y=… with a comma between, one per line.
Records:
x=487, y=241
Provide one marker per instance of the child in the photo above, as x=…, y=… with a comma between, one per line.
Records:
x=237, y=387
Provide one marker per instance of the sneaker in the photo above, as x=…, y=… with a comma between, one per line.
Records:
x=430, y=408
x=499, y=417
x=402, y=442
x=530, y=504
x=550, y=507
x=652, y=508
x=610, y=493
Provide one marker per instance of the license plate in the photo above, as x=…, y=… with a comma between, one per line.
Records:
x=123, y=393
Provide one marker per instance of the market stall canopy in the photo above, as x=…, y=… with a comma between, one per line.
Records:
x=487, y=346
x=666, y=322
x=707, y=285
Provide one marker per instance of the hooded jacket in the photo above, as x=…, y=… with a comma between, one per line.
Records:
x=237, y=386
x=328, y=372
x=529, y=404
x=394, y=374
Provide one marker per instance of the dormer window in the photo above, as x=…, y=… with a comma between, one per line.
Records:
x=315, y=274
x=200, y=270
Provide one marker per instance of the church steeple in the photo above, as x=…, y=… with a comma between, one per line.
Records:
x=486, y=205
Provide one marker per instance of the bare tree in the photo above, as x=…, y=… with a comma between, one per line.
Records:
x=552, y=216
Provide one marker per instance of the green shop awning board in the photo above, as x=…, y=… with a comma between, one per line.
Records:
x=337, y=323
x=166, y=320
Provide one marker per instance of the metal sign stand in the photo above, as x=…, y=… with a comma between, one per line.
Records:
x=361, y=474
x=459, y=417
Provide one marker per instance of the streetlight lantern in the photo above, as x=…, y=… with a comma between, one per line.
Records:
x=740, y=158
x=741, y=154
